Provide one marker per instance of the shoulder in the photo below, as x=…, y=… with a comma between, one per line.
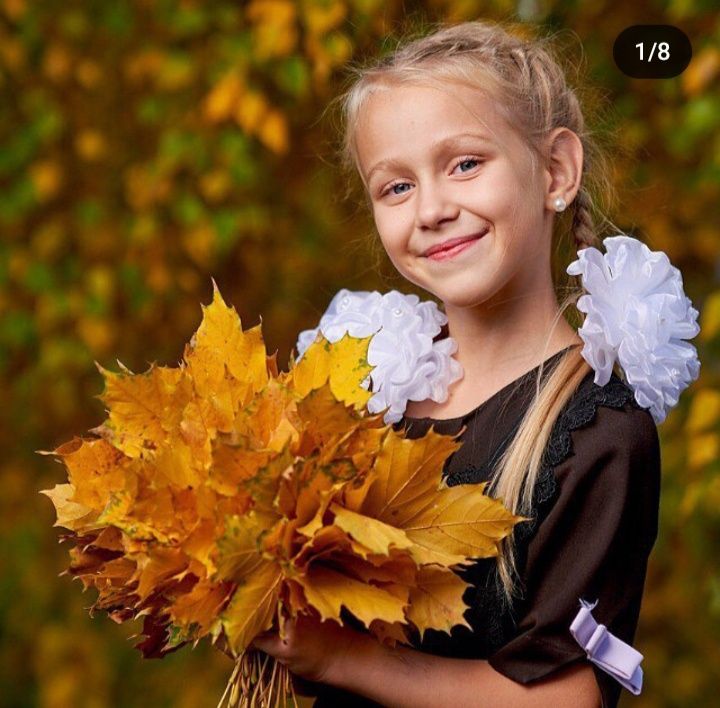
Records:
x=608, y=458
x=604, y=445
x=603, y=486
x=600, y=420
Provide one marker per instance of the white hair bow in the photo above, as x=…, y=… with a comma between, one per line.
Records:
x=638, y=315
x=409, y=365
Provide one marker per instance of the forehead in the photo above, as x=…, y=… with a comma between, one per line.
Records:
x=397, y=121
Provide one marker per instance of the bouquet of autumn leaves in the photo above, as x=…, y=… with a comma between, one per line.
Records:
x=221, y=497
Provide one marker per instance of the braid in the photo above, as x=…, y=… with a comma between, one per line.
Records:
x=583, y=226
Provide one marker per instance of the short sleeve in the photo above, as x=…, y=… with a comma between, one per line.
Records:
x=593, y=543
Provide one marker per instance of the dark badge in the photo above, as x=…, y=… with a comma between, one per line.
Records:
x=652, y=51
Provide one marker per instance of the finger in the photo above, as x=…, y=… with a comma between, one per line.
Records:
x=260, y=644
x=269, y=642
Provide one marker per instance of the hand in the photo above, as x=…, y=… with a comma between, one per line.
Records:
x=312, y=649
x=301, y=686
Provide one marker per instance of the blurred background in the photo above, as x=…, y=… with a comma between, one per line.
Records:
x=149, y=145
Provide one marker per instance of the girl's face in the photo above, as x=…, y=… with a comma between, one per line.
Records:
x=441, y=165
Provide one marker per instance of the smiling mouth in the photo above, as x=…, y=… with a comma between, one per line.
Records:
x=456, y=246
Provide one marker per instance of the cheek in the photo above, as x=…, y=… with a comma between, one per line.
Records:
x=499, y=194
x=394, y=237
x=392, y=227
x=509, y=206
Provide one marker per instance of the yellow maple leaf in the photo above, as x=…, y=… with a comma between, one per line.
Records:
x=155, y=566
x=238, y=551
x=198, y=609
x=376, y=536
x=343, y=364
x=95, y=468
x=405, y=471
x=444, y=523
x=436, y=600
x=328, y=591
x=143, y=408
x=226, y=364
x=222, y=496
x=253, y=606
x=397, y=567
x=70, y=514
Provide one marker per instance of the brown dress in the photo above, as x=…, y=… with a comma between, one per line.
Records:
x=596, y=505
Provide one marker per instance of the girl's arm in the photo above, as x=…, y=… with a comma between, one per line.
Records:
x=406, y=678
x=403, y=677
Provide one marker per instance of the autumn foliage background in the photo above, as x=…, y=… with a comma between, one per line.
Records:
x=147, y=146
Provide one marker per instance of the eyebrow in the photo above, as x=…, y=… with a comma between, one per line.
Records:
x=444, y=143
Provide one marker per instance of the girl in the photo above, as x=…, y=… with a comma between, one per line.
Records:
x=469, y=144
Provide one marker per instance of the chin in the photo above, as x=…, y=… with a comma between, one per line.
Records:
x=465, y=292
x=459, y=299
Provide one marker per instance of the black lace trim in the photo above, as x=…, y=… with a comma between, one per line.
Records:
x=488, y=612
x=579, y=413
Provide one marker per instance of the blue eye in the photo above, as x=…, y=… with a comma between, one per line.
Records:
x=393, y=189
x=469, y=161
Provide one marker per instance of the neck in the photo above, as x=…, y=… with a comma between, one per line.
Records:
x=511, y=333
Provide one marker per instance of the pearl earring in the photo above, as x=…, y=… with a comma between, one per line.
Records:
x=559, y=204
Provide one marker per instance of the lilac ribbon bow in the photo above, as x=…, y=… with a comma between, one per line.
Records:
x=604, y=649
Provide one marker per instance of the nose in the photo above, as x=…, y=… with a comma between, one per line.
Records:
x=434, y=207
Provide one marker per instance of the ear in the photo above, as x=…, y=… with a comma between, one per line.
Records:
x=564, y=166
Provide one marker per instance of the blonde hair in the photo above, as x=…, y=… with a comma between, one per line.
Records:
x=530, y=87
